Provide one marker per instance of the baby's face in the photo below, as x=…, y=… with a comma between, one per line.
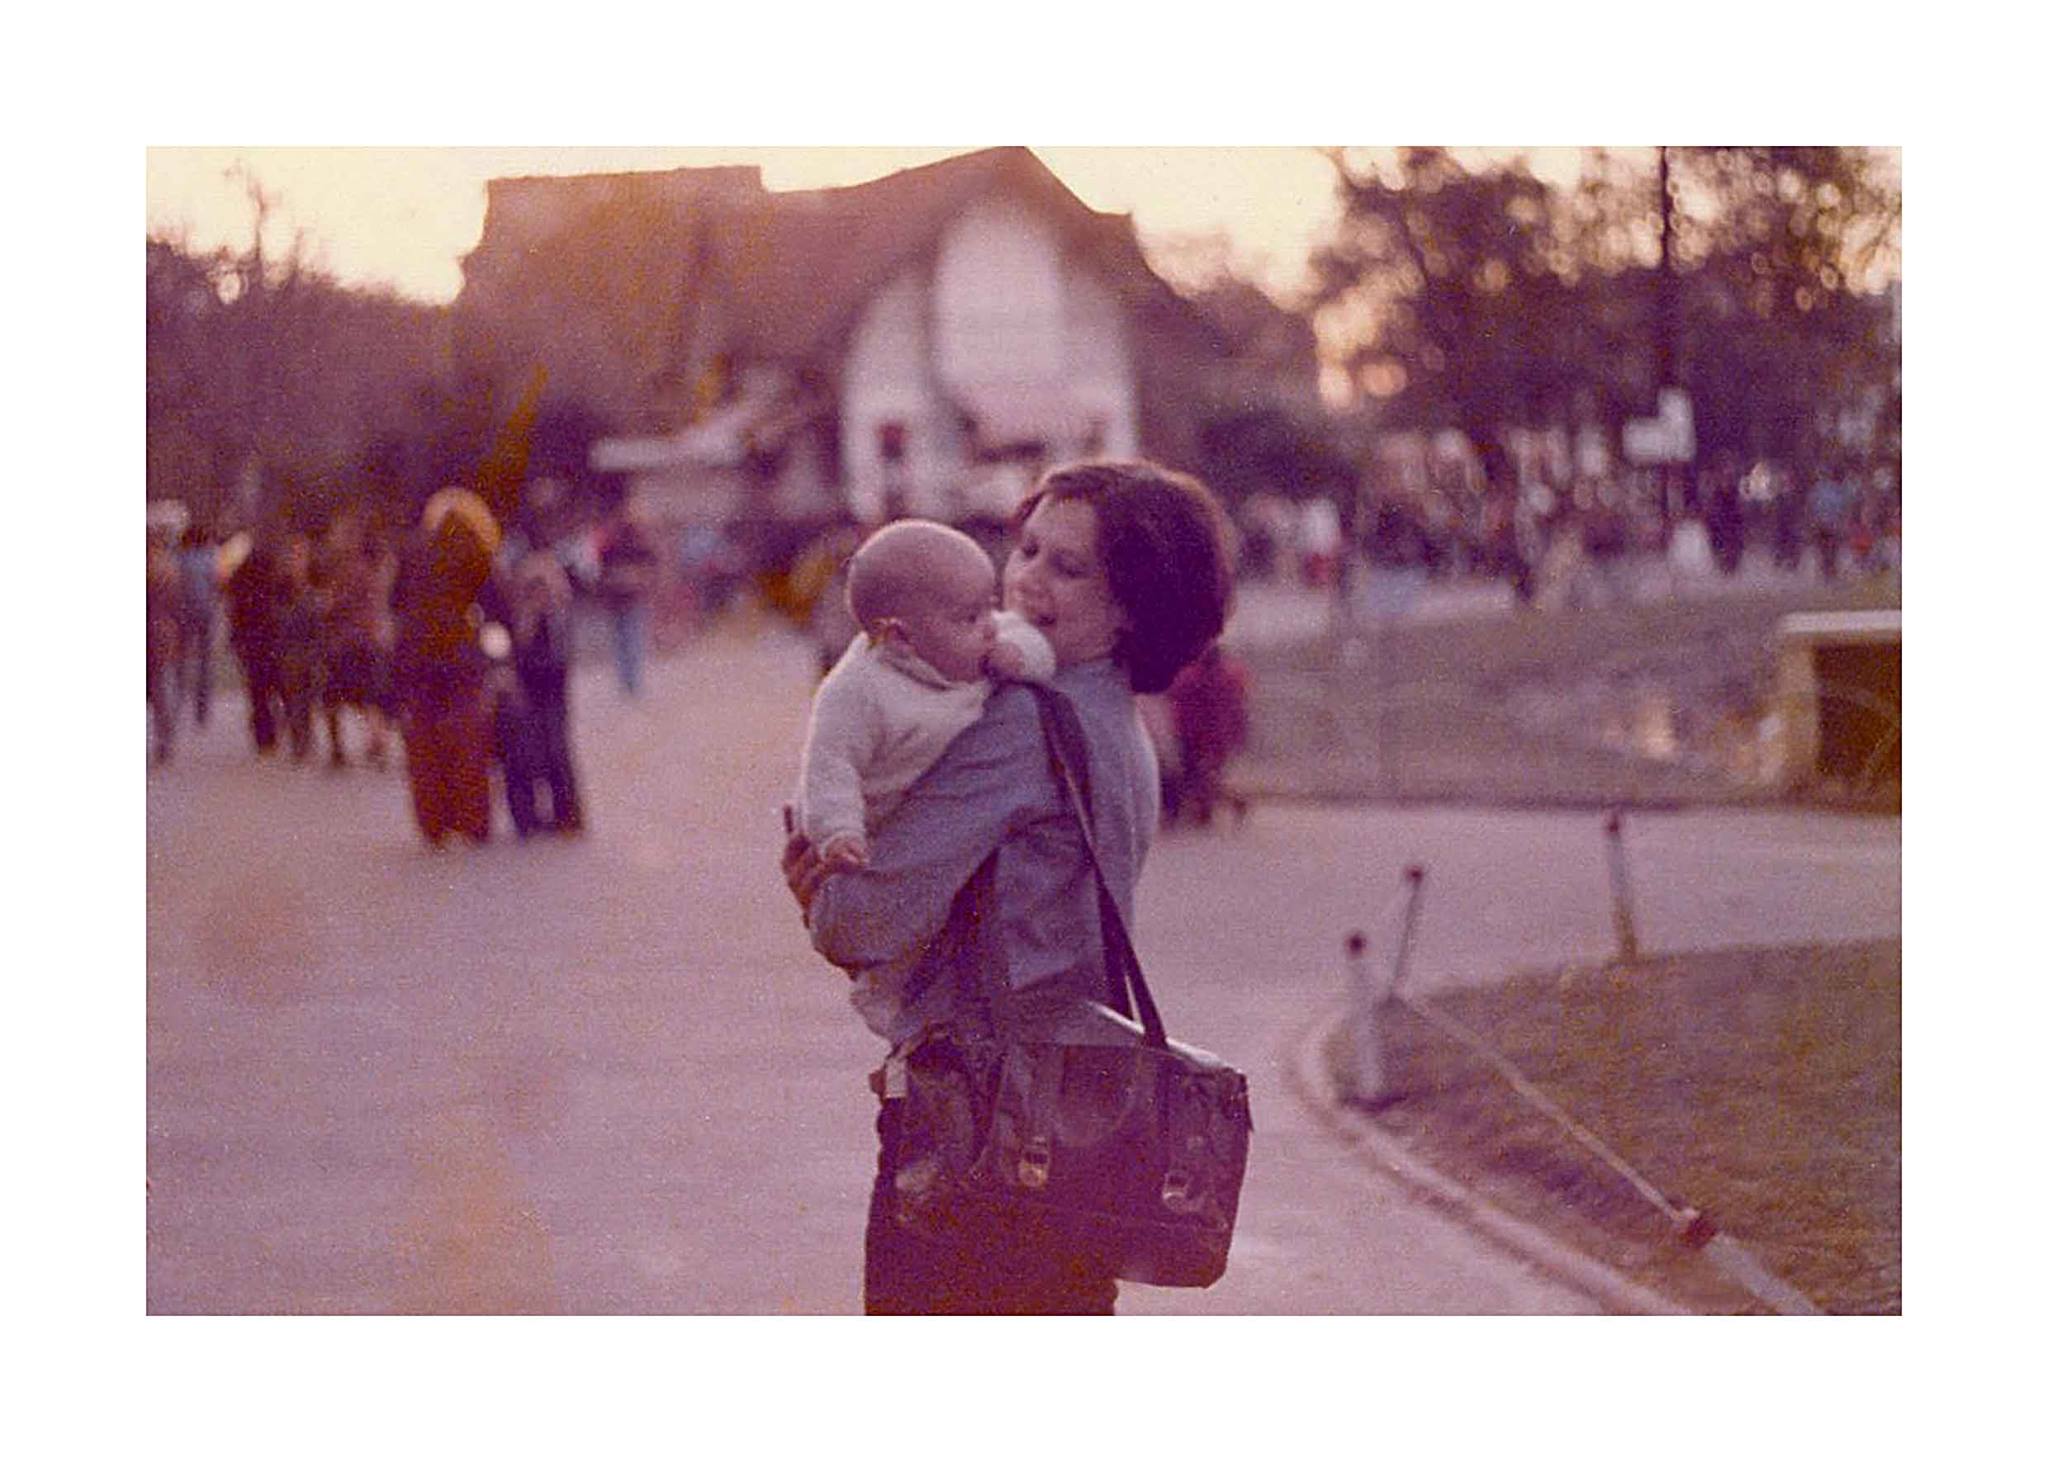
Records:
x=952, y=623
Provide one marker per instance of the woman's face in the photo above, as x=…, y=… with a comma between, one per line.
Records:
x=1054, y=578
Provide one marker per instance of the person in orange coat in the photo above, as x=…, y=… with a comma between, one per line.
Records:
x=440, y=673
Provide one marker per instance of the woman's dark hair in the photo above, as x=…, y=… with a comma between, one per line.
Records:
x=1168, y=555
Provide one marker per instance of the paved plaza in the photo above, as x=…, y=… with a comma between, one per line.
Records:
x=610, y=1076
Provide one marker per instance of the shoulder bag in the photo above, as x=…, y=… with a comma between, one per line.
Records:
x=1122, y=1142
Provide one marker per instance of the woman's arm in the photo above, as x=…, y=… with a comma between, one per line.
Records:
x=949, y=822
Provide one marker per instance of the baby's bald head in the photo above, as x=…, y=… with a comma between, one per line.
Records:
x=899, y=567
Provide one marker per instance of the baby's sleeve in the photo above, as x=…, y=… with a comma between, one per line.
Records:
x=1034, y=651
x=837, y=751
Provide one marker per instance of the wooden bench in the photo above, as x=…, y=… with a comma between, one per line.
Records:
x=1840, y=699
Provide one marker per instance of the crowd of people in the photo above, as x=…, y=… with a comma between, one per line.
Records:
x=456, y=636
x=451, y=635
x=1832, y=516
x=356, y=626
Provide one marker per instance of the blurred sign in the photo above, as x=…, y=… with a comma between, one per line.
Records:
x=1665, y=437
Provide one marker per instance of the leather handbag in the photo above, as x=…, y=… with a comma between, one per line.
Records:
x=1101, y=1131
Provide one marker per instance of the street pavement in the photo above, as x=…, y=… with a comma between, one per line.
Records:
x=610, y=1076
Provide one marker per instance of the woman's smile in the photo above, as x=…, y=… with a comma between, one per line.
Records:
x=1054, y=578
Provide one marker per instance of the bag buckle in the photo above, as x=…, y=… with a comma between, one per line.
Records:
x=1034, y=1163
x=1178, y=1189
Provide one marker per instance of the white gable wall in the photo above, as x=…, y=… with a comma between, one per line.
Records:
x=1000, y=311
x=998, y=298
x=888, y=378
x=1098, y=367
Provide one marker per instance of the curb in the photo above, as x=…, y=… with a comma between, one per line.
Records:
x=1310, y=1078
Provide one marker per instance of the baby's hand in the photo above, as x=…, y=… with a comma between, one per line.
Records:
x=1006, y=661
x=844, y=854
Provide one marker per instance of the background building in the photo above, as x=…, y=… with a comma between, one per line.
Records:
x=921, y=343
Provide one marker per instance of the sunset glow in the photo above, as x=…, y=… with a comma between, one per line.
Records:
x=405, y=216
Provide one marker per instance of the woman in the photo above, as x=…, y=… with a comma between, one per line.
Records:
x=1125, y=568
x=438, y=671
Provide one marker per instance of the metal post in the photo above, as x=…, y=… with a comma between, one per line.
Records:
x=1365, y=1076
x=1414, y=875
x=1624, y=902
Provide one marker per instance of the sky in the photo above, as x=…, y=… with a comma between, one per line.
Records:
x=405, y=216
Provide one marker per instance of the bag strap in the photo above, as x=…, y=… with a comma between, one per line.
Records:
x=1068, y=752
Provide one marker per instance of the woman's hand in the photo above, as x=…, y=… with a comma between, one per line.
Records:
x=802, y=869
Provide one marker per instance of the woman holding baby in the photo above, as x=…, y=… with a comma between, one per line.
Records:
x=979, y=871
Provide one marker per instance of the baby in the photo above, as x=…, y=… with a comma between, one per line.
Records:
x=924, y=596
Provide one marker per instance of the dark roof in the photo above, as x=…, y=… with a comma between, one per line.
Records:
x=817, y=257
x=799, y=266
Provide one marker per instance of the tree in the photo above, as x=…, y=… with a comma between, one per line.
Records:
x=1268, y=449
x=1786, y=251
x=262, y=370
x=1450, y=281
x=1485, y=298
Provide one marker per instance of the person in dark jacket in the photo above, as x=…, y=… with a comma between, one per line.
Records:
x=300, y=668
x=532, y=716
x=257, y=593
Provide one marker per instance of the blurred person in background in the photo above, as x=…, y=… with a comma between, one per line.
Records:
x=199, y=618
x=1832, y=514
x=1321, y=539
x=711, y=565
x=626, y=571
x=1604, y=526
x=355, y=568
x=1502, y=551
x=1210, y=702
x=257, y=593
x=532, y=710
x=1534, y=505
x=1721, y=506
x=1155, y=714
x=439, y=671
x=1865, y=522
x=299, y=669
x=161, y=653
x=1788, y=516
